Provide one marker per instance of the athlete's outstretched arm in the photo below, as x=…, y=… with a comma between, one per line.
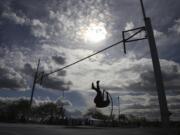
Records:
x=98, y=87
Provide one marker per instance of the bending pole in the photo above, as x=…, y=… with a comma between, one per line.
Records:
x=111, y=105
x=157, y=70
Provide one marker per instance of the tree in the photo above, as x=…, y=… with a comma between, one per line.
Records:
x=97, y=114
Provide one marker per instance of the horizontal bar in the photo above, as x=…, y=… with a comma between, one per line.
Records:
x=135, y=40
x=131, y=36
x=134, y=29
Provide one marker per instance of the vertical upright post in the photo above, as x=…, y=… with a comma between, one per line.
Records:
x=63, y=105
x=34, y=82
x=119, y=108
x=124, y=45
x=143, y=10
x=157, y=70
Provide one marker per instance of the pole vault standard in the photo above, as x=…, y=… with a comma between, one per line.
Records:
x=157, y=70
x=155, y=60
x=34, y=82
x=156, y=64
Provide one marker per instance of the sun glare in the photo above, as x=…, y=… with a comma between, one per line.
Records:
x=95, y=33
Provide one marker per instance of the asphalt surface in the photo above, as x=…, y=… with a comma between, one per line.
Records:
x=30, y=129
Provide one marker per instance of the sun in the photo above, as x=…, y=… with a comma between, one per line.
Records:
x=95, y=32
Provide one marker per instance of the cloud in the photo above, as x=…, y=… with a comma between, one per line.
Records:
x=62, y=73
x=56, y=19
x=176, y=26
x=128, y=73
x=36, y=101
x=54, y=33
x=129, y=25
x=15, y=18
x=63, y=102
x=145, y=105
x=10, y=79
x=56, y=83
x=158, y=34
x=39, y=29
x=70, y=22
x=79, y=99
x=12, y=99
x=146, y=80
x=59, y=60
x=28, y=70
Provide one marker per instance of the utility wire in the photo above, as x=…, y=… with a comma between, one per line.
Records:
x=115, y=44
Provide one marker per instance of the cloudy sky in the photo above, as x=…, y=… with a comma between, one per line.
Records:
x=60, y=32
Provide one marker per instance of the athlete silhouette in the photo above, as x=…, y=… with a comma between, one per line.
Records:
x=100, y=100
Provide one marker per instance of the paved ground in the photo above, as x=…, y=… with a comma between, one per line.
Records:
x=30, y=129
